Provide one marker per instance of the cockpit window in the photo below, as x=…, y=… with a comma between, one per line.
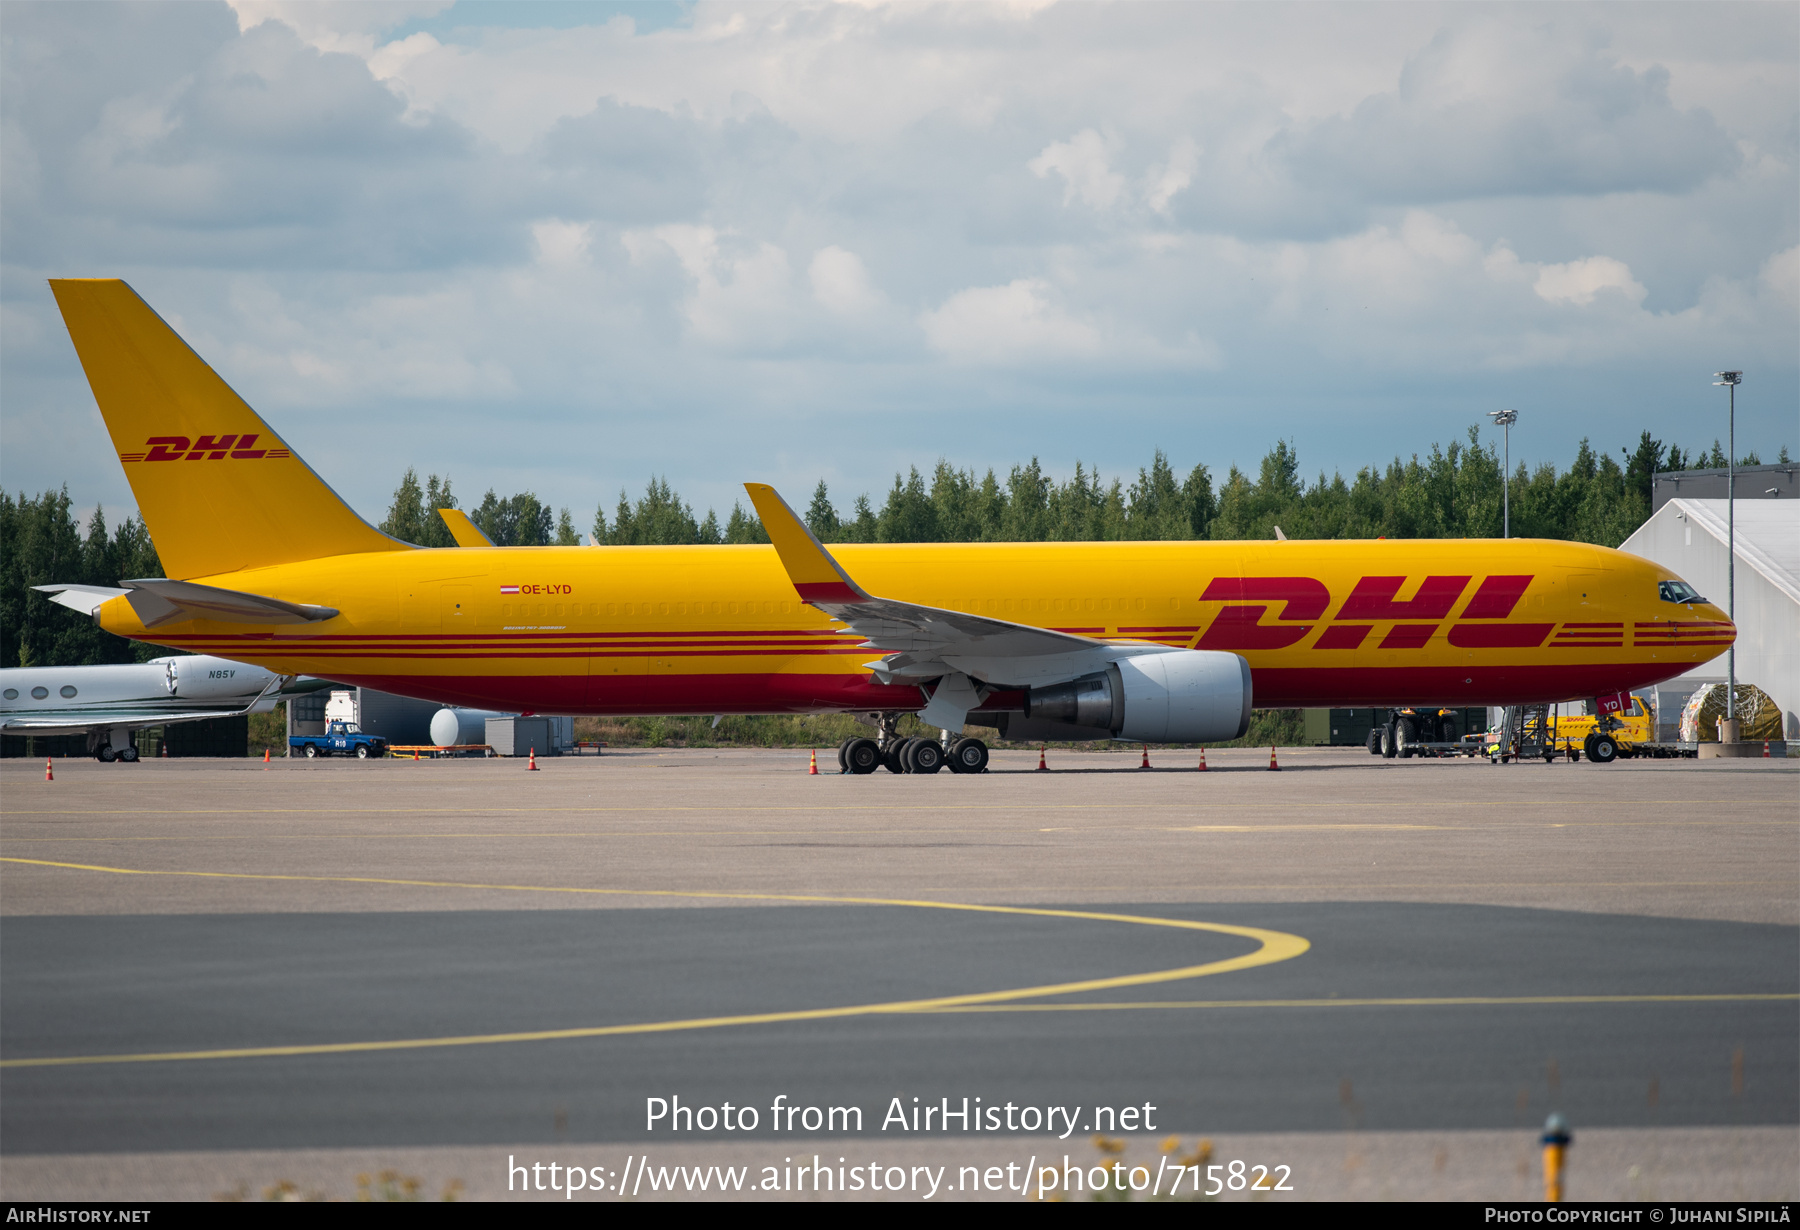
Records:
x=1678, y=591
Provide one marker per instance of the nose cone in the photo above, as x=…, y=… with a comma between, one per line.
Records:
x=1715, y=614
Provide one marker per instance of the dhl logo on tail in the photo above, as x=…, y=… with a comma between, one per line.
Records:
x=206, y=448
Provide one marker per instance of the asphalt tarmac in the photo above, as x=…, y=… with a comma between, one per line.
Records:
x=385, y=947
x=1397, y=1016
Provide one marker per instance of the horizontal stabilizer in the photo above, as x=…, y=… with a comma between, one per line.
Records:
x=157, y=600
x=465, y=531
x=88, y=599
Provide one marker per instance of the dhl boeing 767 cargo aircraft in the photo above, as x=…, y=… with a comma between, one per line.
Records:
x=1142, y=641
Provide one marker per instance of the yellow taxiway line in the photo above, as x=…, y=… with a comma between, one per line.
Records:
x=1272, y=946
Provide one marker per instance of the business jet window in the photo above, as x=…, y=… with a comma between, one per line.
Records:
x=11, y=694
x=68, y=692
x=39, y=693
x=1678, y=591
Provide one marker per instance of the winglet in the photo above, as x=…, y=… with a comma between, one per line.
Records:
x=465, y=531
x=816, y=576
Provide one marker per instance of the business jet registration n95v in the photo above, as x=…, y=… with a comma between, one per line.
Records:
x=1141, y=641
x=107, y=703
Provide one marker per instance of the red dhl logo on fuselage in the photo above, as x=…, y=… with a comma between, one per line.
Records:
x=1239, y=627
x=206, y=448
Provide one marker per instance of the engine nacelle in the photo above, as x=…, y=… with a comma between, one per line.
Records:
x=208, y=678
x=1185, y=696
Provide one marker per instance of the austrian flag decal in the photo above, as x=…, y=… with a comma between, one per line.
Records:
x=509, y=589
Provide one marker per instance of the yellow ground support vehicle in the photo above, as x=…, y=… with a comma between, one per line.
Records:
x=1628, y=730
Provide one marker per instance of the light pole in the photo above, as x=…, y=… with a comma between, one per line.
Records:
x=1730, y=380
x=1505, y=418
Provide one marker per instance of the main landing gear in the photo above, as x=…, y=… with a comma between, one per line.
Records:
x=889, y=751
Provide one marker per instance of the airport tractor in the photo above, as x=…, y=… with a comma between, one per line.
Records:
x=339, y=739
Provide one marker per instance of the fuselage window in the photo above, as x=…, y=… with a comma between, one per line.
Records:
x=11, y=694
x=68, y=692
x=39, y=693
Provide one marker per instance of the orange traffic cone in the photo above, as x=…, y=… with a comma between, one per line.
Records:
x=1273, y=767
x=165, y=751
x=1203, y=760
x=532, y=763
x=1146, y=763
x=265, y=755
x=415, y=753
x=1765, y=749
x=48, y=775
x=1042, y=767
x=813, y=768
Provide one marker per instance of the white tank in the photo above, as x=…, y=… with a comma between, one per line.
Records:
x=451, y=727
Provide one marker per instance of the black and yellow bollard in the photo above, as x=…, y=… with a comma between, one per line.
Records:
x=1556, y=1140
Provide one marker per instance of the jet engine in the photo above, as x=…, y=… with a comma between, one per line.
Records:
x=208, y=678
x=1185, y=696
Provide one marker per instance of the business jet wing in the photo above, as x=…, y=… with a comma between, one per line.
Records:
x=158, y=600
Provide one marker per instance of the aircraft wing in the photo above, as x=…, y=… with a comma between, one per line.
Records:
x=465, y=531
x=928, y=642
x=158, y=600
x=75, y=721
x=915, y=631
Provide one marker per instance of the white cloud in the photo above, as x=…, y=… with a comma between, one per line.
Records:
x=1164, y=181
x=840, y=282
x=1082, y=163
x=1579, y=281
x=1005, y=324
x=956, y=216
x=743, y=291
x=560, y=242
x=349, y=26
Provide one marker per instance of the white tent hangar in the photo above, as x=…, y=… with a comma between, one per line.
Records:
x=1689, y=537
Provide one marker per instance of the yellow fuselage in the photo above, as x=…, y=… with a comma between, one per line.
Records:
x=644, y=630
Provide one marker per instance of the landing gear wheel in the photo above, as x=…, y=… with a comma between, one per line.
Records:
x=1375, y=742
x=129, y=755
x=968, y=756
x=106, y=755
x=1601, y=749
x=861, y=756
x=893, y=759
x=923, y=756
x=843, y=748
x=312, y=752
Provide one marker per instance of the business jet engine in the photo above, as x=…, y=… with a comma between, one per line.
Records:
x=216, y=679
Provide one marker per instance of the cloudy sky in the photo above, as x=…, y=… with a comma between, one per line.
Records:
x=567, y=246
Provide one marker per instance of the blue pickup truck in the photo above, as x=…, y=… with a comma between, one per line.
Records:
x=339, y=739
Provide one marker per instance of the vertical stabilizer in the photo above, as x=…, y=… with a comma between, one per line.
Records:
x=217, y=489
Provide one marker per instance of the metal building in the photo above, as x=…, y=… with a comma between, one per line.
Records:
x=1689, y=537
